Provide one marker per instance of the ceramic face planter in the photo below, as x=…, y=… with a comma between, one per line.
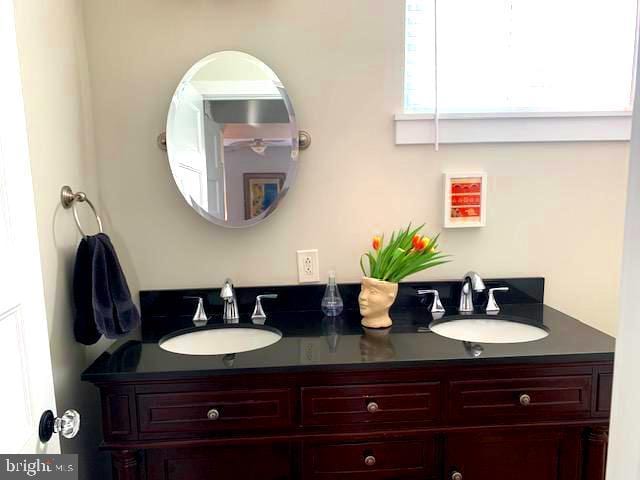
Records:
x=376, y=297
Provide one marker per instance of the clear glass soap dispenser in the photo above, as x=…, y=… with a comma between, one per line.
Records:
x=332, y=301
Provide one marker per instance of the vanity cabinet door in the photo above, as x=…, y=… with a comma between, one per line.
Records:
x=264, y=462
x=522, y=454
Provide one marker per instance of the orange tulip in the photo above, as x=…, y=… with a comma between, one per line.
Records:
x=377, y=241
x=420, y=243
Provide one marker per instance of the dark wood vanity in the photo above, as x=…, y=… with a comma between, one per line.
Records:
x=438, y=414
x=519, y=422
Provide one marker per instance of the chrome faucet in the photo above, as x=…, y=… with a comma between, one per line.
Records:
x=228, y=295
x=471, y=282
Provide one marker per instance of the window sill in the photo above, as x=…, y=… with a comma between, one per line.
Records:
x=412, y=129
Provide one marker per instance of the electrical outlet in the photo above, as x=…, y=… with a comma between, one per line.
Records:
x=308, y=266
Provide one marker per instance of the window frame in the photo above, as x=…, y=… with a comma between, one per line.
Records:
x=507, y=127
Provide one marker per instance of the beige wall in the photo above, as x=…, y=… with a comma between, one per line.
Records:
x=554, y=209
x=57, y=106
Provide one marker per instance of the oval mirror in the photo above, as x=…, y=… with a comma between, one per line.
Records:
x=232, y=139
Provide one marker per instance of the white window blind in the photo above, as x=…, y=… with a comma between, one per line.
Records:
x=515, y=56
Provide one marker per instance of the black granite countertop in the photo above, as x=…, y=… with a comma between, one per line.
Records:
x=312, y=341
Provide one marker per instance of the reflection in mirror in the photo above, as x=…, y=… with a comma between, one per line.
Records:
x=232, y=139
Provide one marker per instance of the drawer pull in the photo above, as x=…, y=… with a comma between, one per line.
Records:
x=369, y=460
x=456, y=476
x=372, y=407
x=213, y=414
x=525, y=400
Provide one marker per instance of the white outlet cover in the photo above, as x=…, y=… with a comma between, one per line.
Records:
x=308, y=266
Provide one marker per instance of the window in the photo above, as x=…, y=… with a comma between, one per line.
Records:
x=521, y=59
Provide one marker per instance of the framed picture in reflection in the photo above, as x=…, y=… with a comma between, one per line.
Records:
x=261, y=190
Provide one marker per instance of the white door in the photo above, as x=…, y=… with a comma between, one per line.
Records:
x=187, y=141
x=195, y=151
x=25, y=363
x=214, y=146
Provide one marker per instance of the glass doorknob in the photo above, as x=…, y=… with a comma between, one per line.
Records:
x=67, y=425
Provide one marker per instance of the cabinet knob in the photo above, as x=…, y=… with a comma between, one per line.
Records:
x=213, y=414
x=372, y=407
x=369, y=460
x=525, y=400
x=456, y=476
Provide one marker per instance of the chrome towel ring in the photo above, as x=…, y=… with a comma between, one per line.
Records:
x=69, y=199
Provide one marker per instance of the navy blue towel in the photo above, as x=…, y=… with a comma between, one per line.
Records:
x=103, y=303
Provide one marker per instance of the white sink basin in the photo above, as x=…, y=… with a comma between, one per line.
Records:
x=488, y=330
x=220, y=339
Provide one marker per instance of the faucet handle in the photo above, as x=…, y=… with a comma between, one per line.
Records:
x=200, y=316
x=436, y=307
x=492, y=305
x=258, y=315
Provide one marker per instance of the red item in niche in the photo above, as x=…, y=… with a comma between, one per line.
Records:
x=465, y=212
x=465, y=200
x=465, y=186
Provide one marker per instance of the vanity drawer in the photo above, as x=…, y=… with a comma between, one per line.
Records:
x=521, y=398
x=398, y=460
x=214, y=411
x=399, y=402
x=604, y=382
